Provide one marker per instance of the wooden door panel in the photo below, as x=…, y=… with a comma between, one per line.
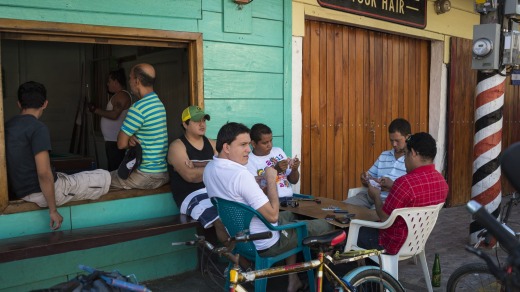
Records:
x=355, y=81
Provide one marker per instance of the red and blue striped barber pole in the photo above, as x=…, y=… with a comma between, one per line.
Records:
x=486, y=187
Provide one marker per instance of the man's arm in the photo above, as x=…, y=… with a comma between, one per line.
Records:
x=124, y=141
x=375, y=194
x=120, y=102
x=179, y=159
x=271, y=209
x=294, y=176
x=46, y=180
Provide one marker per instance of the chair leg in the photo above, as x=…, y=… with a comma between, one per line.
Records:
x=310, y=273
x=426, y=272
x=261, y=285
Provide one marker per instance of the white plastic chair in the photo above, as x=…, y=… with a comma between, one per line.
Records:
x=420, y=222
x=355, y=191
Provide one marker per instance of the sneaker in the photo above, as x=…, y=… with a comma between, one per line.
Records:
x=130, y=162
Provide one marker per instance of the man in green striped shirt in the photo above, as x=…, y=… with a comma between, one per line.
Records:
x=145, y=124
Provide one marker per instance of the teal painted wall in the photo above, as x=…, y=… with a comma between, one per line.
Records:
x=247, y=52
x=247, y=78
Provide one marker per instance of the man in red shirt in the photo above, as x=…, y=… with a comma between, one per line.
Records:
x=421, y=186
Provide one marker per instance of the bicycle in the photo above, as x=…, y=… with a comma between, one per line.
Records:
x=97, y=280
x=477, y=276
x=364, y=278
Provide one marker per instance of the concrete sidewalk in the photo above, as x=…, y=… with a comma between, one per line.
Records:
x=448, y=238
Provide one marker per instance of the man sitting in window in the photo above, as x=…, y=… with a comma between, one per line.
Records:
x=29, y=172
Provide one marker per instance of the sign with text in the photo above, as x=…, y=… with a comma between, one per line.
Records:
x=405, y=12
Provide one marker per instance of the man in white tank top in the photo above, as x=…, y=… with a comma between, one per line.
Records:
x=113, y=116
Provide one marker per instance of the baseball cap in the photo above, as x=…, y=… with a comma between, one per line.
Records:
x=194, y=113
x=131, y=161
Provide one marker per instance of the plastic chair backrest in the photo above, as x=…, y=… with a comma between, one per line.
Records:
x=420, y=222
x=237, y=217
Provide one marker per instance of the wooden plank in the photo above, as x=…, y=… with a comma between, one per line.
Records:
x=4, y=196
x=266, y=59
x=263, y=31
x=460, y=117
x=29, y=246
x=322, y=112
x=329, y=110
x=248, y=112
x=305, y=169
x=242, y=85
x=338, y=110
x=268, y=9
x=164, y=8
x=237, y=19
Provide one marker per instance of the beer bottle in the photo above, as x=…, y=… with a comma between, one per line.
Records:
x=436, y=272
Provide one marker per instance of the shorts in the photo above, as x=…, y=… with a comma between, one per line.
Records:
x=199, y=207
x=289, y=237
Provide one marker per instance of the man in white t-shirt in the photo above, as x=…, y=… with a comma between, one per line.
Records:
x=265, y=155
x=227, y=177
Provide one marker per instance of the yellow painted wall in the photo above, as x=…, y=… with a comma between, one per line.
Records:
x=457, y=22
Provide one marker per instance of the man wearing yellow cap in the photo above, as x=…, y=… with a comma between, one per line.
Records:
x=188, y=156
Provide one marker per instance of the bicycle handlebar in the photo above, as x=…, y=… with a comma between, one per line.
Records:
x=490, y=223
x=250, y=237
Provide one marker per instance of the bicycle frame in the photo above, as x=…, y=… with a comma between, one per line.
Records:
x=238, y=277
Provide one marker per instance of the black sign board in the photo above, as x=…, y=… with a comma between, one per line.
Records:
x=405, y=12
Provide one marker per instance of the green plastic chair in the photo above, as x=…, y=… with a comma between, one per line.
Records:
x=237, y=217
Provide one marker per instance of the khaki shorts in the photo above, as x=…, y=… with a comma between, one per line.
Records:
x=361, y=199
x=86, y=185
x=289, y=239
x=139, y=180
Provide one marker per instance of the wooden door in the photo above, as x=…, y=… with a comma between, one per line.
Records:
x=355, y=82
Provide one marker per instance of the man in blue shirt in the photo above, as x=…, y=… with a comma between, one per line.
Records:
x=388, y=167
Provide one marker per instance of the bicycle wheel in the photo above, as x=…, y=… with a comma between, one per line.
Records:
x=473, y=277
x=212, y=269
x=369, y=279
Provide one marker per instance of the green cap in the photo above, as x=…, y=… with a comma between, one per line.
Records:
x=194, y=113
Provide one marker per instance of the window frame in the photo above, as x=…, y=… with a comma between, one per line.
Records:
x=94, y=34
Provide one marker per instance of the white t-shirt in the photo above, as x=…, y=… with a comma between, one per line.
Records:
x=231, y=181
x=110, y=128
x=257, y=164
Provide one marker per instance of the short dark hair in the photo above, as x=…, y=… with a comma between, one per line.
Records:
x=400, y=125
x=228, y=133
x=32, y=95
x=119, y=76
x=422, y=143
x=145, y=79
x=257, y=130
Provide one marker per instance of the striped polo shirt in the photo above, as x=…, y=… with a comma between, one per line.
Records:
x=386, y=165
x=146, y=119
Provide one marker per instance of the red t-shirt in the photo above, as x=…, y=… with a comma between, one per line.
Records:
x=423, y=186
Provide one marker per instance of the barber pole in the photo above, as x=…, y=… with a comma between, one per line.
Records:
x=486, y=185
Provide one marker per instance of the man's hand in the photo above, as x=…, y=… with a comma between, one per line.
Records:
x=56, y=219
x=281, y=166
x=270, y=174
x=386, y=183
x=91, y=107
x=374, y=192
x=295, y=163
x=364, y=178
x=133, y=141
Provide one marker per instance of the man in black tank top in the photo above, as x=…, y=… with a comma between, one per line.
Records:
x=187, y=158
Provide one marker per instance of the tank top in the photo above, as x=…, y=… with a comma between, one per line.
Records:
x=179, y=187
x=110, y=128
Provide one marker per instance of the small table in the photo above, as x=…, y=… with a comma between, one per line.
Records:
x=314, y=210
